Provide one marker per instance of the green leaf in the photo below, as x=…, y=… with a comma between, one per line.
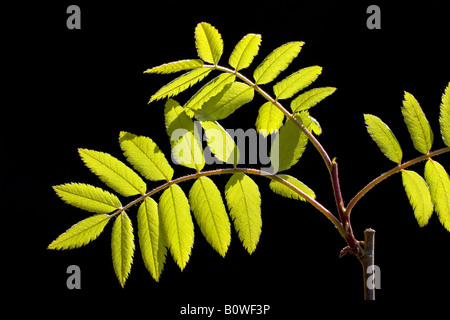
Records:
x=122, y=247
x=151, y=238
x=176, y=66
x=276, y=62
x=185, y=138
x=244, y=202
x=315, y=126
x=212, y=88
x=269, y=120
x=180, y=84
x=418, y=195
x=81, y=233
x=113, y=172
x=384, y=138
x=287, y=192
x=88, y=197
x=289, y=146
x=439, y=184
x=220, y=142
x=244, y=52
x=209, y=211
x=145, y=156
x=310, y=98
x=418, y=126
x=233, y=96
x=208, y=42
x=444, y=118
x=177, y=222
x=288, y=87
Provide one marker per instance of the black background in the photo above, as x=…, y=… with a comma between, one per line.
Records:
x=80, y=88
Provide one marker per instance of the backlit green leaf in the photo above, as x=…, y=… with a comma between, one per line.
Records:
x=145, y=156
x=444, y=119
x=88, y=197
x=270, y=119
x=384, y=138
x=418, y=126
x=113, y=172
x=310, y=98
x=180, y=84
x=177, y=222
x=209, y=90
x=439, y=184
x=287, y=192
x=176, y=66
x=122, y=247
x=220, y=143
x=208, y=42
x=288, y=87
x=209, y=211
x=81, y=233
x=244, y=202
x=418, y=195
x=276, y=62
x=244, y=52
x=233, y=96
x=151, y=237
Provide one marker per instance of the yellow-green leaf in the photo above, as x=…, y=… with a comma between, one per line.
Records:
x=287, y=192
x=439, y=184
x=310, y=98
x=81, y=233
x=208, y=42
x=244, y=52
x=444, y=118
x=177, y=222
x=209, y=211
x=269, y=119
x=286, y=88
x=176, y=66
x=122, y=247
x=151, y=237
x=87, y=197
x=418, y=195
x=145, y=156
x=113, y=172
x=244, y=202
x=220, y=143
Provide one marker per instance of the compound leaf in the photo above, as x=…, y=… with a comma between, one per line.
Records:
x=151, y=238
x=419, y=196
x=244, y=202
x=288, y=148
x=384, y=138
x=145, y=156
x=418, y=126
x=220, y=142
x=209, y=211
x=209, y=90
x=122, y=247
x=276, y=62
x=287, y=192
x=233, y=96
x=444, y=118
x=87, y=197
x=244, y=52
x=177, y=222
x=176, y=66
x=310, y=98
x=288, y=87
x=81, y=233
x=180, y=84
x=208, y=42
x=113, y=172
x=269, y=120
x=439, y=184
x=185, y=138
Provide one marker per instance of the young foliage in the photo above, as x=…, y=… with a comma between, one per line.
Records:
x=209, y=211
x=122, y=247
x=310, y=98
x=295, y=82
x=208, y=42
x=384, y=138
x=287, y=192
x=220, y=143
x=270, y=119
x=444, y=119
x=244, y=52
x=418, y=126
x=418, y=195
x=244, y=202
x=176, y=66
